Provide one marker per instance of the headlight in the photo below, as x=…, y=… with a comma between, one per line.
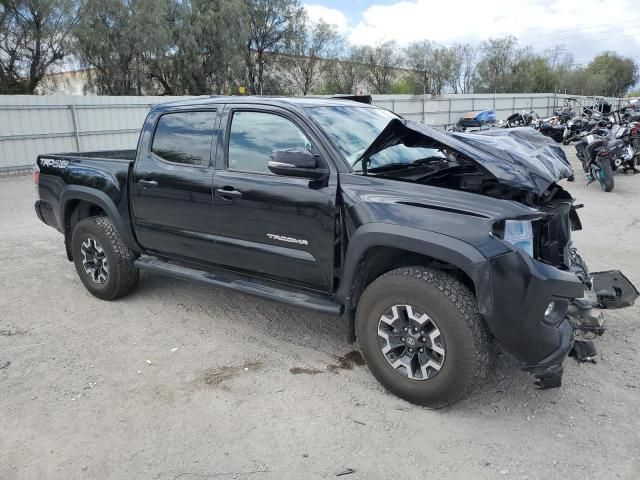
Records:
x=519, y=233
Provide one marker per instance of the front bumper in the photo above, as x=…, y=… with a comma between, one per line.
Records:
x=513, y=292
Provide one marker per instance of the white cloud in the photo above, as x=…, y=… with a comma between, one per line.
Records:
x=329, y=15
x=540, y=23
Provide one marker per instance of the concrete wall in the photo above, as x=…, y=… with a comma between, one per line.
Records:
x=32, y=125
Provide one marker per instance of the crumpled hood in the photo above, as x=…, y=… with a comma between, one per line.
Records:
x=519, y=157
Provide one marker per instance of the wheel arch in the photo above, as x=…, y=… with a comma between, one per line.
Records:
x=78, y=203
x=377, y=248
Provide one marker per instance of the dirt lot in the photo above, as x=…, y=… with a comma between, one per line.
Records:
x=185, y=381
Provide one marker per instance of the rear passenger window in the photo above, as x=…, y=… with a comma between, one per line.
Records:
x=254, y=135
x=184, y=137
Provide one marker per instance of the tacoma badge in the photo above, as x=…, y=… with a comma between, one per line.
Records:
x=287, y=239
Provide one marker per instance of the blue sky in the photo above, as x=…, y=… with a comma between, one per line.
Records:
x=584, y=27
x=353, y=9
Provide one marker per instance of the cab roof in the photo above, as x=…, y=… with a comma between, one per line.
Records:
x=300, y=102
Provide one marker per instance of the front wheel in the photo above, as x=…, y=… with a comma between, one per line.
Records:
x=421, y=334
x=103, y=262
x=604, y=174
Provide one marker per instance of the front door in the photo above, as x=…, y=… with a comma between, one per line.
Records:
x=278, y=227
x=172, y=187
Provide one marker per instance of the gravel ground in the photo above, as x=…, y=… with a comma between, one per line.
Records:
x=185, y=381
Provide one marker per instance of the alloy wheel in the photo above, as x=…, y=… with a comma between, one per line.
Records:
x=411, y=342
x=94, y=260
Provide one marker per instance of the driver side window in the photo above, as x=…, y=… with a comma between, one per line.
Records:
x=254, y=135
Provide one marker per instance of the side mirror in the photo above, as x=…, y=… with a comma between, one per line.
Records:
x=296, y=162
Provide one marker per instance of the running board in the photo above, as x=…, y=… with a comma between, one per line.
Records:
x=242, y=283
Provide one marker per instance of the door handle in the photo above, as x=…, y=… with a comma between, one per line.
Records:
x=148, y=183
x=228, y=193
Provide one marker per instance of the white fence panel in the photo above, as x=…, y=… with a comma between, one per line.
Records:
x=33, y=125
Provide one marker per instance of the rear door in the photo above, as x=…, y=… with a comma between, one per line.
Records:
x=172, y=185
x=274, y=226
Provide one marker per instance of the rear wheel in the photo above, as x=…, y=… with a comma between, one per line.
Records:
x=102, y=260
x=604, y=174
x=422, y=336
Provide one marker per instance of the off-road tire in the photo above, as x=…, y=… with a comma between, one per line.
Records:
x=452, y=305
x=123, y=275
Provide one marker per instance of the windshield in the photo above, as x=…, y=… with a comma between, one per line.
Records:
x=353, y=128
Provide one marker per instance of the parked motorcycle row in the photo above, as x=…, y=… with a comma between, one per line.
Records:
x=605, y=142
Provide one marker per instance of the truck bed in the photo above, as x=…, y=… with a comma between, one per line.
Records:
x=70, y=175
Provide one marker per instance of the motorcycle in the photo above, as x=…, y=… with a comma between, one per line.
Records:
x=579, y=126
x=600, y=156
x=552, y=127
x=520, y=119
x=565, y=113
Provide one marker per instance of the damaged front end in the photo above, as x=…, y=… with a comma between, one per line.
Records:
x=601, y=290
x=540, y=301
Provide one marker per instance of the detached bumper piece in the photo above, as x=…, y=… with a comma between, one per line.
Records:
x=584, y=351
x=613, y=290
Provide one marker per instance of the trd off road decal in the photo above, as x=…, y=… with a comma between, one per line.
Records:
x=54, y=163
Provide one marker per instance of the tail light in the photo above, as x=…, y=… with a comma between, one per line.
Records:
x=36, y=175
x=634, y=131
x=603, y=153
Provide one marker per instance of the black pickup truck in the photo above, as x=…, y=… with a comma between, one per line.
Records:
x=431, y=245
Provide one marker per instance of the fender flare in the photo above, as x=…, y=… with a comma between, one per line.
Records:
x=432, y=244
x=101, y=199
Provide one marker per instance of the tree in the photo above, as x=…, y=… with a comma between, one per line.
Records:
x=461, y=67
x=561, y=63
x=112, y=35
x=310, y=52
x=420, y=58
x=496, y=62
x=272, y=26
x=380, y=63
x=611, y=74
x=205, y=54
x=531, y=73
x=437, y=66
x=35, y=36
x=344, y=72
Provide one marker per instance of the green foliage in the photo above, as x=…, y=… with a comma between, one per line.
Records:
x=112, y=35
x=181, y=47
x=205, y=56
x=611, y=74
x=407, y=85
